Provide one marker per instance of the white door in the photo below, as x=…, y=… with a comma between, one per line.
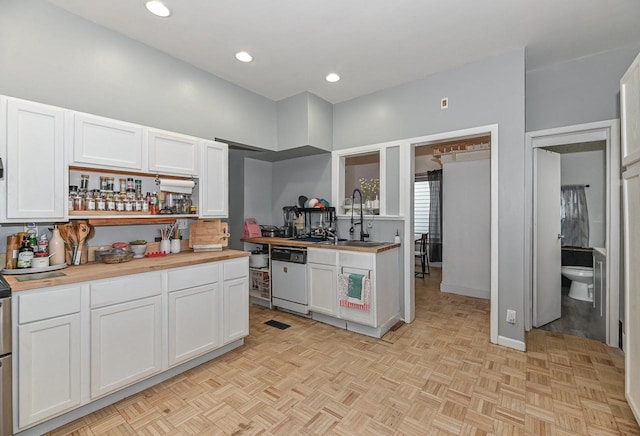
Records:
x=631, y=201
x=35, y=168
x=48, y=368
x=125, y=344
x=194, y=322
x=547, y=240
x=214, y=189
x=170, y=153
x=235, y=309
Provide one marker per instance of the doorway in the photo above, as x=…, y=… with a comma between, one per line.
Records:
x=409, y=289
x=608, y=133
x=568, y=233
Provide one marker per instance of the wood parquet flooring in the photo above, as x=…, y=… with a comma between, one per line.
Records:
x=438, y=375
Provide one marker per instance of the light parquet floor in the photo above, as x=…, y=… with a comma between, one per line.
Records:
x=438, y=375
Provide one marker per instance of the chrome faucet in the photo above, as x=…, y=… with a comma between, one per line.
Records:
x=363, y=234
x=332, y=235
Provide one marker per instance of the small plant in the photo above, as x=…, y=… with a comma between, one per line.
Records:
x=138, y=242
x=369, y=187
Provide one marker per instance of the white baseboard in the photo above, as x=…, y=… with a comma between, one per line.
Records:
x=512, y=343
x=463, y=290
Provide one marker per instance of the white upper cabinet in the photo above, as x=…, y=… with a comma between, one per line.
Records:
x=103, y=142
x=32, y=146
x=630, y=111
x=214, y=192
x=171, y=153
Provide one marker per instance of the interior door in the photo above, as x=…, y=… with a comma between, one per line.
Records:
x=547, y=254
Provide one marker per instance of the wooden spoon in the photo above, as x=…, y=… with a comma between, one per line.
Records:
x=64, y=234
x=83, y=229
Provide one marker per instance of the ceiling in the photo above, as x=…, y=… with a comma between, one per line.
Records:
x=371, y=44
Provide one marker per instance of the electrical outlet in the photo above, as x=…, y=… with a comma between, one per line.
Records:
x=511, y=316
x=182, y=224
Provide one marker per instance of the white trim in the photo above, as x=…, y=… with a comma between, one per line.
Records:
x=407, y=211
x=608, y=131
x=512, y=343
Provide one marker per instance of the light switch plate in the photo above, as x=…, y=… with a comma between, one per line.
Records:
x=511, y=316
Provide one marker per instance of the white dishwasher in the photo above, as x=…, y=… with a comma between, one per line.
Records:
x=289, y=279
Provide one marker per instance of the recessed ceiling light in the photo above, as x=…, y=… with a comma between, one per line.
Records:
x=158, y=8
x=243, y=56
x=333, y=77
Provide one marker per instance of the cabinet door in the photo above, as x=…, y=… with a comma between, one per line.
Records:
x=630, y=113
x=194, y=322
x=35, y=185
x=214, y=189
x=102, y=142
x=48, y=368
x=235, y=309
x=170, y=153
x=125, y=344
x=322, y=285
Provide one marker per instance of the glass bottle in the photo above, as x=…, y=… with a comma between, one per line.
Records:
x=73, y=193
x=25, y=254
x=138, y=183
x=56, y=247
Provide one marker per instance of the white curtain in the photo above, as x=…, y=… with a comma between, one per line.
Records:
x=574, y=216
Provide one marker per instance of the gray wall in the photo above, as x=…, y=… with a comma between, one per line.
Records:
x=236, y=198
x=466, y=228
x=305, y=119
x=577, y=91
x=309, y=176
x=257, y=187
x=485, y=92
x=51, y=56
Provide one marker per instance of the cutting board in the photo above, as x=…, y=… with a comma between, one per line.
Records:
x=206, y=232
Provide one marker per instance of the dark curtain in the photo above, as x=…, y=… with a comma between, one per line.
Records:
x=435, y=215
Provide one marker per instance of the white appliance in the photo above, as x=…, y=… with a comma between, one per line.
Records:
x=630, y=129
x=289, y=279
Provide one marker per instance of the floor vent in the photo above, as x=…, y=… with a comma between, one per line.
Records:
x=277, y=324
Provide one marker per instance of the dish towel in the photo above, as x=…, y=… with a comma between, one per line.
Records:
x=354, y=291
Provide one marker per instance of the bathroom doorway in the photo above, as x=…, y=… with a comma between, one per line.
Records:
x=579, y=145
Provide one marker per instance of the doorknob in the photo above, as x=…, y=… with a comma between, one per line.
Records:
x=560, y=236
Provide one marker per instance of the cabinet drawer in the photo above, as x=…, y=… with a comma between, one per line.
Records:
x=235, y=269
x=129, y=288
x=48, y=304
x=193, y=276
x=356, y=260
x=325, y=257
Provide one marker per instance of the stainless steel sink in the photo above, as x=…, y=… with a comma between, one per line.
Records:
x=368, y=244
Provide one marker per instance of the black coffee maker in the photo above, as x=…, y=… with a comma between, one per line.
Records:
x=290, y=214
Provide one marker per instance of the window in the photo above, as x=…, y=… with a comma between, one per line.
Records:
x=421, y=200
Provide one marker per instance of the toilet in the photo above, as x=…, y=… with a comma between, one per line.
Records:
x=581, y=282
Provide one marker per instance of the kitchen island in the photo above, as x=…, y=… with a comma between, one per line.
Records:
x=100, y=332
x=329, y=270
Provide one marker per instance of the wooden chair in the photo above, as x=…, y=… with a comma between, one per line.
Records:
x=423, y=254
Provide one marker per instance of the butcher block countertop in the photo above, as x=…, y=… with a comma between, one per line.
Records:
x=285, y=242
x=97, y=271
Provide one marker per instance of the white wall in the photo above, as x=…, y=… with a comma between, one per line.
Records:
x=589, y=168
x=466, y=228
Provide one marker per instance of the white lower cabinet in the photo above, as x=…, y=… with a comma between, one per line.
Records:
x=48, y=368
x=194, y=322
x=235, y=298
x=109, y=334
x=322, y=285
x=48, y=352
x=125, y=344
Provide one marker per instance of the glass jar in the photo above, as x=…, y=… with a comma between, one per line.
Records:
x=84, y=182
x=73, y=193
x=129, y=204
x=120, y=203
x=104, y=183
x=78, y=203
x=111, y=202
x=187, y=203
x=123, y=186
x=101, y=201
x=90, y=201
x=145, y=203
x=110, y=183
x=138, y=204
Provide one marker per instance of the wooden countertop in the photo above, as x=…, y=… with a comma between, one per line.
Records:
x=97, y=271
x=297, y=243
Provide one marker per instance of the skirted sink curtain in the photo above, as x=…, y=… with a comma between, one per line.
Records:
x=574, y=216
